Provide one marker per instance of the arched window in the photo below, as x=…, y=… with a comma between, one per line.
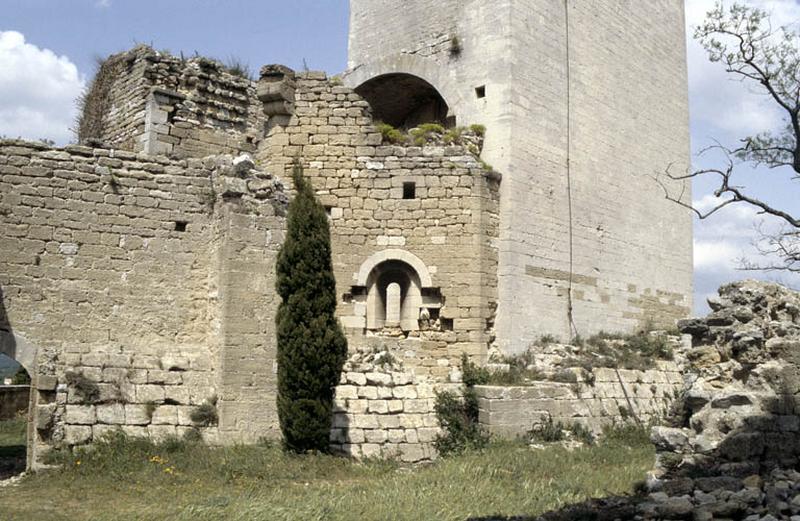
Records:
x=394, y=292
x=403, y=100
x=394, y=297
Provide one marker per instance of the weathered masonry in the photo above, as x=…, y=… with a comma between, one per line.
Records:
x=137, y=268
x=582, y=102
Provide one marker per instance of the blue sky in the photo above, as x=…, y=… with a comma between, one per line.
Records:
x=48, y=50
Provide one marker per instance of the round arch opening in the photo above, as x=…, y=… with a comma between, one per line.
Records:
x=404, y=100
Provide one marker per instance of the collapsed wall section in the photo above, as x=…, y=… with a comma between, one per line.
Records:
x=145, y=100
x=122, y=269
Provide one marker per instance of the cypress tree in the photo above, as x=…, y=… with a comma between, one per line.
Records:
x=311, y=345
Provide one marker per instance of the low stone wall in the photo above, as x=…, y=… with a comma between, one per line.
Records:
x=607, y=396
x=13, y=399
x=384, y=410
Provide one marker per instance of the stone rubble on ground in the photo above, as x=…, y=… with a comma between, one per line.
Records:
x=732, y=452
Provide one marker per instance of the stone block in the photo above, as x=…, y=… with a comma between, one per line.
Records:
x=355, y=435
x=364, y=421
x=136, y=414
x=405, y=392
x=356, y=378
x=135, y=431
x=150, y=393
x=427, y=434
x=80, y=415
x=389, y=421
x=77, y=434
x=369, y=392
x=378, y=407
x=416, y=406
x=395, y=406
x=346, y=391
x=370, y=450
x=378, y=379
x=100, y=431
x=112, y=414
x=376, y=436
x=412, y=452
x=161, y=432
x=165, y=415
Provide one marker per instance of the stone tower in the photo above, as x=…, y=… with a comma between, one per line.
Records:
x=583, y=102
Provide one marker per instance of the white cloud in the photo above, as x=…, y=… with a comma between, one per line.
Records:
x=725, y=105
x=103, y=3
x=729, y=110
x=38, y=90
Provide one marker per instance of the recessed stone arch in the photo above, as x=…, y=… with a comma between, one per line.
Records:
x=428, y=70
x=394, y=291
x=404, y=100
x=398, y=255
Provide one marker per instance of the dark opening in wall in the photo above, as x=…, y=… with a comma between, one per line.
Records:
x=180, y=226
x=409, y=190
x=404, y=101
x=447, y=324
x=328, y=210
x=480, y=91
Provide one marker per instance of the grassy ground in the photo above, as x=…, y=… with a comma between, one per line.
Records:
x=131, y=480
x=12, y=448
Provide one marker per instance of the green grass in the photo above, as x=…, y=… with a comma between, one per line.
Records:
x=12, y=432
x=12, y=448
x=131, y=479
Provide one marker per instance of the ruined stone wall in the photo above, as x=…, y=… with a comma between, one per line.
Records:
x=603, y=397
x=384, y=410
x=450, y=224
x=162, y=104
x=141, y=281
x=615, y=115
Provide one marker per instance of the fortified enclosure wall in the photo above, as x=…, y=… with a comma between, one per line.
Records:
x=146, y=287
x=163, y=266
x=583, y=103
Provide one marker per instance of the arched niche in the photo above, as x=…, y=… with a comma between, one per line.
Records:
x=395, y=292
x=404, y=100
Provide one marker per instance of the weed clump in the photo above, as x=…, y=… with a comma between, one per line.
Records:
x=85, y=388
x=391, y=134
x=426, y=133
x=205, y=414
x=547, y=431
x=458, y=416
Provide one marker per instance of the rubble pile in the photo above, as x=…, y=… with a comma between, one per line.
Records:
x=731, y=451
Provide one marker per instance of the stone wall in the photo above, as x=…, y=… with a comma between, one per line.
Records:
x=385, y=410
x=604, y=397
x=13, y=400
x=149, y=278
x=145, y=100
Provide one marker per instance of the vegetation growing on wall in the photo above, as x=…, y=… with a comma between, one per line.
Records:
x=311, y=345
x=458, y=416
x=94, y=104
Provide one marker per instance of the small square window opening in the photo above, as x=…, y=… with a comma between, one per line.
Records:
x=180, y=226
x=480, y=91
x=409, y=190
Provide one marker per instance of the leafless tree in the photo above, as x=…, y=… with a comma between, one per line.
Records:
x=741, y=38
